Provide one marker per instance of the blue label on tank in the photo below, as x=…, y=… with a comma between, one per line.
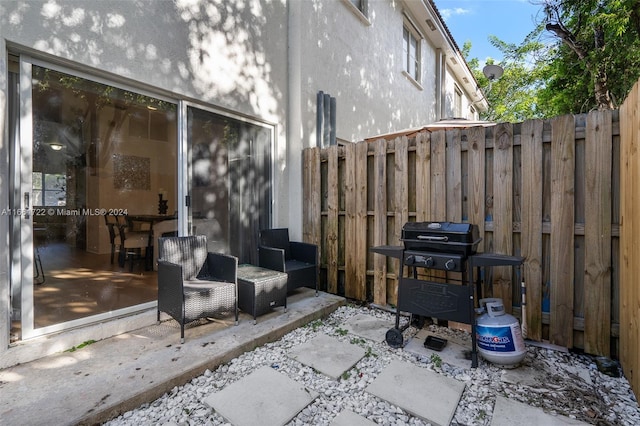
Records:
x=495, y=339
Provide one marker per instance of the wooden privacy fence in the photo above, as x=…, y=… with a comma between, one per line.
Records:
x=629, y=237
x=545, y=190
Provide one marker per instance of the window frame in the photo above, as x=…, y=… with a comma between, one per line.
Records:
x=410, y=33
x=43, y=190
x=361, y=12
x=457, y=101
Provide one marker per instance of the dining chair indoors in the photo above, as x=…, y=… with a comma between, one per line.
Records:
x=133, y=244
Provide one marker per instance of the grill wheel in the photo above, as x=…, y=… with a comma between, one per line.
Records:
x=394, y=338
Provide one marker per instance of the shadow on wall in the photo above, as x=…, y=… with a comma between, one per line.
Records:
x=212, y=52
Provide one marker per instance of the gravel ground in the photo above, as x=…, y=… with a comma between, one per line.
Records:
x=605, y=401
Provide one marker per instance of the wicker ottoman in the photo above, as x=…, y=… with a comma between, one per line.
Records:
x=260, y=290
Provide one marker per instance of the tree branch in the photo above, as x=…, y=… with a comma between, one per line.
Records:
x=568, y=38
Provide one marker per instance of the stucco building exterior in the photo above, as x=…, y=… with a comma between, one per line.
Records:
x=206, y=105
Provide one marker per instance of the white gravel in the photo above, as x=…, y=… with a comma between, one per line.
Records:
x=605, y=401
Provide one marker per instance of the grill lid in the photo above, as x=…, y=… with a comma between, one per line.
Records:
x=441, y=236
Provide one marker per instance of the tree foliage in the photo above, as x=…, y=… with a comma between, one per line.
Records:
x=583, y=54
x=513, y=97
x=596, y=58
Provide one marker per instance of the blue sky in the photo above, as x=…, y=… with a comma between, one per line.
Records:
x=476, y=20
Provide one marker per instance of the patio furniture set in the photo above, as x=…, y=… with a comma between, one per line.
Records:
x=194, y=283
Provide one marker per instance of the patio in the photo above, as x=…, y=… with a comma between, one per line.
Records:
x=161, y=381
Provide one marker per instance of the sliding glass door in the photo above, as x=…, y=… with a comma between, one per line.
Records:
x=94, y=164
x=85, y=150
x=230, y=181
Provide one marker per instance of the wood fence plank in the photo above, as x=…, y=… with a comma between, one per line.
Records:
x=632, y=291
x=597, y=279
x=439, y=186
x=380, y=222
x=313, y=232
x=477, y=170
x=350, y=279
x=562, y=236
x=401, y=159
x=454, y=176
x=401, y=213
x=454, y=199
x=629, y=247
x=423, y=177
x=360, y=242
x=438, y=176
x=332, y=220
x=531, y=227
x=503, y=205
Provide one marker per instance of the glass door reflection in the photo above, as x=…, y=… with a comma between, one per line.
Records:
x=89, y=149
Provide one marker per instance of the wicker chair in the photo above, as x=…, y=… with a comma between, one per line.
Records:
x=299, y=260
x=194, y=283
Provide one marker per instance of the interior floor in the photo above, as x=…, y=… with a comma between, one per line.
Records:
x=77, y=284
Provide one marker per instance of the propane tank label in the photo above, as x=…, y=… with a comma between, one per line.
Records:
x=504, y=338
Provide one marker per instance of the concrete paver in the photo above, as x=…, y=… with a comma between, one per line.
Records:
x=349, y=418
x=328, y=355
x=262, y=398
x=508, y=413
x=368, y=327
x=418, y=391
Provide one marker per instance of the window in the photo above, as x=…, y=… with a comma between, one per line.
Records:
x=231, y=181
x=49, y=189
x=411, y=52
x=361, y=5
x=360, y=8
x=457, y=102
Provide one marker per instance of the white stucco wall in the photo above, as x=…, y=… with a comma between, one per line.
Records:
x=231, y=55
x=361, y=66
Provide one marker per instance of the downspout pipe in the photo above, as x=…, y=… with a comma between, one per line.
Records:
x=440, y=80
x=319, y=118
x=327, y=120
x=332, y=123
x=287, y=194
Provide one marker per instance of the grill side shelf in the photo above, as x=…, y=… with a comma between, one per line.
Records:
x=493, y=259
x=391, y=251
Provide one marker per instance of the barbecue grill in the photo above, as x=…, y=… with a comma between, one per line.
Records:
x=439, y=246
x=443, y=246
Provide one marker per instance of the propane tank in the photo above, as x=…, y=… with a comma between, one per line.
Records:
x=498, y=334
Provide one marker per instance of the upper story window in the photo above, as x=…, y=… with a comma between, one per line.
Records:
x=361, y=5
x=360, y=8
x=411, y=52
x=457, y=102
